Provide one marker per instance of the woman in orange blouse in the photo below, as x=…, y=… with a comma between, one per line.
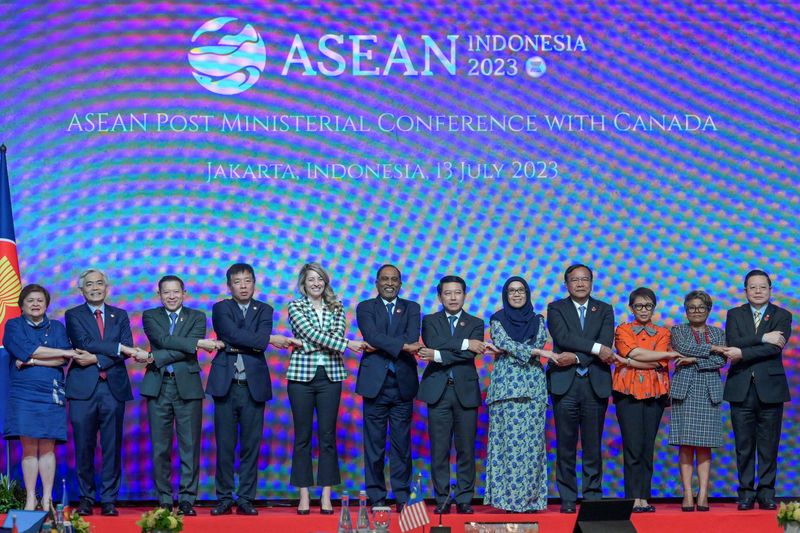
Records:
x=641, y=390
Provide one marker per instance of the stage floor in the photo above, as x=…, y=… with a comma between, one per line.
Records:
x=723, y=518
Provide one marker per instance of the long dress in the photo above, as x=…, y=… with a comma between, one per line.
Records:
x=516, y=459
x=36, y=403
x=697, y=389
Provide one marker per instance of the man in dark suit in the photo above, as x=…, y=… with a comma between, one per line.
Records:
x=452, y=338
x=97, y=386
x=239, y=382
x=579, y=381
x=388, y=382
x=174, y=390
x=756, y=387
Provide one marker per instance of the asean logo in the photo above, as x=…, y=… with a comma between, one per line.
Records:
x=226, y=63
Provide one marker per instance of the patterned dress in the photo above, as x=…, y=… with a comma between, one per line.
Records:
x=697, y=389
x=516, y=460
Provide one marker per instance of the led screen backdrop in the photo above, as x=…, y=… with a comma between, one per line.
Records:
x=656, y=142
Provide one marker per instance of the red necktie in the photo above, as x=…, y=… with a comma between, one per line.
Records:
x=98, y=314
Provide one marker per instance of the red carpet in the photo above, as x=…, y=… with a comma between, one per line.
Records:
x=723, y=518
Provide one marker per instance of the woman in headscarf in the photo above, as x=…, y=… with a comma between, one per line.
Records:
x=516, y=461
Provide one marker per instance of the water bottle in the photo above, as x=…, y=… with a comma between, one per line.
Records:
x=363, y=517
x=58, y=519
x=67, y=522
x=345, y=520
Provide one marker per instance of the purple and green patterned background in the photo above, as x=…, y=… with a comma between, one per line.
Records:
x=672, y=208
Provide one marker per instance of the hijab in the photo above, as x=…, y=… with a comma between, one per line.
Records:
x=521, y=324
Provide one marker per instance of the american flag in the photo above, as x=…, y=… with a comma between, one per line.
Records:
x=414, y=514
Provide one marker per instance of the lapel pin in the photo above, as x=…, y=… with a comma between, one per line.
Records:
x=594, y=309
x=461, y=323
x=766, y=318
x=398, y=311
x=112, y=316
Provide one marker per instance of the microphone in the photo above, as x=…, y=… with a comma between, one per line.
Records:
x=440, y=528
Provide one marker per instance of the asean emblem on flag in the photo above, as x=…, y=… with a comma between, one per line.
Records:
x=10, y=288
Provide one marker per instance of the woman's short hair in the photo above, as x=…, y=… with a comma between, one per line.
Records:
x=30, y=289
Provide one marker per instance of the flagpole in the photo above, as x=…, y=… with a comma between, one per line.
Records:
x=8, y=449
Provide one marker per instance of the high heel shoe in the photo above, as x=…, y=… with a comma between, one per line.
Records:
x=322, y=510
x=303, y=512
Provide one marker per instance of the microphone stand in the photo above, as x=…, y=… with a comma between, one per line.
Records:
x=440, y=528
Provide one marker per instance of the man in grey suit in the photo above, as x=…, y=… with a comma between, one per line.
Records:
x=174, y=390
x=449, y=386
x=579, y=380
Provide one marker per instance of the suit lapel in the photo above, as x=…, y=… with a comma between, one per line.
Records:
x=572, y=314
x=180, y=326
x=768, y=312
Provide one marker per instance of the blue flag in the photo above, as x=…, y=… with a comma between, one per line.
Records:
x=9, y=278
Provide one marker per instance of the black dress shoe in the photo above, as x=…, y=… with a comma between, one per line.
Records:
x=649, y=509
x=85, y=508
x=464, y=508
x=768, y=505
x=246, y=508
x=400, y=506
x=639, y=509
x=109, y=509
x=745, y=505
x=167, y=506
x=222, y=508
x=442, y=508
x=568, y=507
x=688, y=508
x=186, y=509
x=377, y=503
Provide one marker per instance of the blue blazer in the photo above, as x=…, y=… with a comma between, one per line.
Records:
x=373, y=322
x=83, y=334
x=246, y=335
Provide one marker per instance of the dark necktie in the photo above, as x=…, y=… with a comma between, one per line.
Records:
x=173, y=319
x=582, y=309
x=390, y=309
x=580, y=370
x=452, y=320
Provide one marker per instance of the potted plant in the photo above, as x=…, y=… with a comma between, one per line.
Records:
x=160, y=521
x=789, y=517
x=12, y=495
x=79, y=524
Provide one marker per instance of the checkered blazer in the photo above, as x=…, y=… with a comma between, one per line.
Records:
x=326, y=338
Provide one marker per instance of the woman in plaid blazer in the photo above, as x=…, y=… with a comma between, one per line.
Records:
x=696, y=424
x=315, y=376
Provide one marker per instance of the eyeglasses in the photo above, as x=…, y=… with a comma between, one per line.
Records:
x=576, y=280
x=512, y=292
x=697, y=309
x=642, y=307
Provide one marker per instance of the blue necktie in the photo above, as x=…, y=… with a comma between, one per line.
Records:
x=452, y=320
x=390, y=310
x=173, y=319
x=580, y=370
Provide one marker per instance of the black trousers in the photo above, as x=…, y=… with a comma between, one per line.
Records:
x=237, y=417
x=579, y=412
x=104, y=413
x=756, y=431
x=170, y=415
x=449, y=421
x=638, y=423
x=387, y=409
x=321, y=395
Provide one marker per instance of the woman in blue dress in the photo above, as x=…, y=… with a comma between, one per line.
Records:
x=35, y=415
x=516, y=461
